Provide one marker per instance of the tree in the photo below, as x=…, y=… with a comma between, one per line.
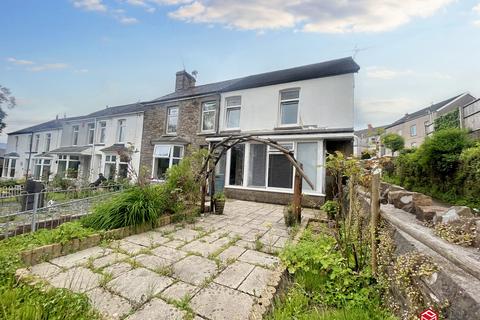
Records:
x=393, y=142
x=6, y=99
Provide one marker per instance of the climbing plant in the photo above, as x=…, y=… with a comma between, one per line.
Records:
x=447, y=121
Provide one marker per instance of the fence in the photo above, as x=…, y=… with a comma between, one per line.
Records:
x=6, y=192
x=28, y=212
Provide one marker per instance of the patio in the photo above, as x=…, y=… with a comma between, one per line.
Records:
x=214, y=268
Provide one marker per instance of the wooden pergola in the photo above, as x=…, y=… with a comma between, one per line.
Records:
x=219, y=149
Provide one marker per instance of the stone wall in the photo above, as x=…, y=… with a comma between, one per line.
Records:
x=271, y=197
x=188, y=128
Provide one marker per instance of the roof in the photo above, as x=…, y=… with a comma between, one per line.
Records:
x=49, y=125
x=311, y=71
x=70, y=149
x=118, y=148
x=364, y=132
x=12, y=155
x=423, y=112
x=110, y=111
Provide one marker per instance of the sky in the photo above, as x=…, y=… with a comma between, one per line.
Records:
x=73, y=57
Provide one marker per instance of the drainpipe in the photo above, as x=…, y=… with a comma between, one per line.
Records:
x=93, y=148
x=29, y=159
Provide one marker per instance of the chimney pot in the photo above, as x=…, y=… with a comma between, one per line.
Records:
x=184, y=80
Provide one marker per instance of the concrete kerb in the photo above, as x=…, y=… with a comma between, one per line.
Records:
x=277, y=280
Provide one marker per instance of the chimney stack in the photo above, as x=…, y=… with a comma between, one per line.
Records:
x=184, y=81
x=370, y=127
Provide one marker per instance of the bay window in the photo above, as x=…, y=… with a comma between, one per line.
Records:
x=68, y=166
x=42, y=169
x=172, y=120
x=110, y=167
x=164, y=157
x=232, y=112
x=280, y=170
x=209, y=110
x=237, y=155
x=9, y=167
x=289, y=107
x=258, y=165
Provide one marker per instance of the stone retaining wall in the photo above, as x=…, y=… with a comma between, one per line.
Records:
x=308, y=201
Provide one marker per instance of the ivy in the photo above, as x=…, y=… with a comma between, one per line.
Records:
x=447, y=121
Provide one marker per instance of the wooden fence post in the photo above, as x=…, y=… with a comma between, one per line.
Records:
x=204, y=194
x=375, y=211
x=297, y=196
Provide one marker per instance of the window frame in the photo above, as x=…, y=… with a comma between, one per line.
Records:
x=40, y=162
x=75, y=133
x=7, y=167
x=48, y=142
x=203, y=112
x=102, y=131
x=37, y=143
x=229, y=108
x=121, y=129
x=170, y=158
x=90, y=133
x=280, y=109
x=67, y=159
x=414, y=127
x=170, y=117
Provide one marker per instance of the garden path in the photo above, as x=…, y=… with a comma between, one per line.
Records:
x=214, y=268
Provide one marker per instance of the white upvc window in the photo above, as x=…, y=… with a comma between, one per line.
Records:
x=41, y=171
x=289, y=111
x=9, y=165
x=16, y=143
x=122, y=130
x=37, y=143
x=280, y=169
x=164, y=157
x=233, y=107
x=75, y=130
x=209, y=111
x=115, y=167
x=413, y=130
x=68, y=166
x=48, y=141
x=102, y=131
x=91, y=133
x=172, y=120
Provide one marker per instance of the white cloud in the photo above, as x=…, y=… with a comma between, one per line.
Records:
x=48, y=66
x=382, y=111
x=20, y=62
x=329, y=16
x=476, y=9
x=385, y=73
x=90, y=5
x=80, y=70
x=127, y=20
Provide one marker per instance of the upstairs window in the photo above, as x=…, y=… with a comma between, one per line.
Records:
x=232, y=110
x=37, y=142
x=172, y=119
x=16, y=143
x=75, y=135
x=289, y=107
x=91, y=133
x=48, y=141
x=102, y=131
x=122, y=128
x=413, y=130
x=209, y=110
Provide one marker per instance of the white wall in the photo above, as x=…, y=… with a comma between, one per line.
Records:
x=324, y=102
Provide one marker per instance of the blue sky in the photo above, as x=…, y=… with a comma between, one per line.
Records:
x=77, y=56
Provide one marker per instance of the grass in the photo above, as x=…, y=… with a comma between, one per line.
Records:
x=23, y=301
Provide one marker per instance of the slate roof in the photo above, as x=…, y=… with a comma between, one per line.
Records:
x=49, y=125
x=311, y=71
x=70, y=149
x=12, y=154
x=110, y=111
x=423, y=112
x=117, y=147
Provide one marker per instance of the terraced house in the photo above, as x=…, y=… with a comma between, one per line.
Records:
x=308, y=109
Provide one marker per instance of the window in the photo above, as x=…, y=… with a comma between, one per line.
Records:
x=123, y=167
x=102, y=131
x=165, y=156
x=172, y=119
x=16, y=143
x=110, y=167
x=42, y=169
x=48, y=141
x=37, y=142
x=122, y=127
x=289, y=107
x=232, y=111
x=307, y=155
x=9, y=167
x=68, y=166
x=258, y=165
x=13, y=164
x=413, y=130
x=91, y=133
x=280, y=170
x=237, y=155
x=209, y=110
x=75, y=135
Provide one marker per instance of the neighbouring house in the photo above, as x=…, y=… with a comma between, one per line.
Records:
x=415, y=127
x=470, y=115
x=27, y=151
x=106, y=141
x=369, y=140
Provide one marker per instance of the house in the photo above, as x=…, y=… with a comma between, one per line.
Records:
x=470, y=114
x=415, y=127
x=369, y=140
x=106, y=141
x=27, y=151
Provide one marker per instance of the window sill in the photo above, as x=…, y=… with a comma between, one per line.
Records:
x=205, y=133
x=288, y=127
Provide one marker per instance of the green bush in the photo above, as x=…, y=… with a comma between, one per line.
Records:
x=8, y=183
x=393, y=142
x=133, y=207
x=331, y=208
x=447, y=121
x=62, y=183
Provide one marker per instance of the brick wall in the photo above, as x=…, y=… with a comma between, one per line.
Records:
x=188, y=127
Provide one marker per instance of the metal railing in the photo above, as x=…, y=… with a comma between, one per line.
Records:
x=6, y=192
x=28, y=212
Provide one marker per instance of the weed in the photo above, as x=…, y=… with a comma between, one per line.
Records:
x=166, y=271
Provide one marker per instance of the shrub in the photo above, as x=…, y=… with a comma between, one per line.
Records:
x=331, y=208
x=62, y=183
x=393, y=142
x=366, y=154
x=468, y=174
x=447, y=121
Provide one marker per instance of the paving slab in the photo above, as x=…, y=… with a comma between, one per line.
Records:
x=259, y=258
x=109, y=305
x=281, y=242
x=179, y=290
x=77, y=279
x=152, y=262
x=157, y=309
x=117, y=269
x=148, y=239
x=234, y=274
x=139, y=284
x=80, y=257
x=203, y=248
x=194, y=269
x=186, y=235
x=45, y=270
x=109, y=259
x=217, y=302
x=174, y=244
x=232, y=252
x=256, y=282
x=128, y=247
x=169, y=253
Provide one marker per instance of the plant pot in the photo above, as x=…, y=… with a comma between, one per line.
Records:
x=289, y=217
x=219, y=206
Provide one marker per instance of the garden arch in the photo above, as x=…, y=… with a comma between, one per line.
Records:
x=219, y=149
